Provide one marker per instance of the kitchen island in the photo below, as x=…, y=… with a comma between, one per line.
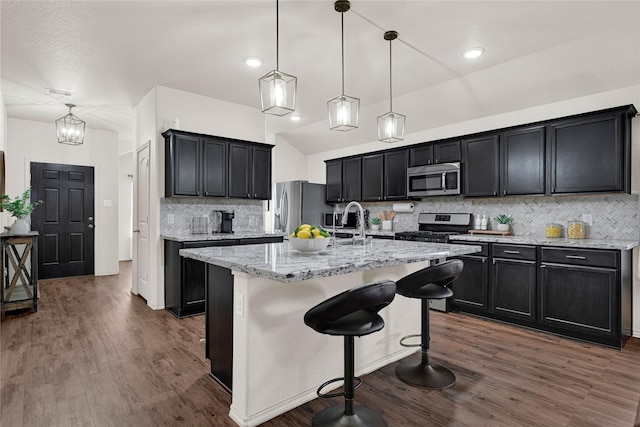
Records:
x=259, y=295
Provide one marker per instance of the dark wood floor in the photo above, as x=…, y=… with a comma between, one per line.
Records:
x=95, y=355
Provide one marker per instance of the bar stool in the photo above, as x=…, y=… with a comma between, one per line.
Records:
x=352, y=313
x=428, y=283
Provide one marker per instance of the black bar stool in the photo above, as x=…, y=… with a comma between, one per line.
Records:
x=352, y=313
x=428, y=283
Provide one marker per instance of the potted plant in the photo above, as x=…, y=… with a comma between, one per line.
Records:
x=19, y=208
x=503, y=222
x=375, y=223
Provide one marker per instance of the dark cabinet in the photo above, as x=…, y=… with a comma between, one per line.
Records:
x=481, y=157
x=384, y=176
x=209, y=166
x=591, y=153
x=344, y=180
x=249, y=171
x=513, y=281
x=438, y=152
x=470, y=290
x=581, y=298
x=185, y=278
x=522, y=161
x=219, y=324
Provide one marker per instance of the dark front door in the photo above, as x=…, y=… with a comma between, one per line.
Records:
x=66, y=219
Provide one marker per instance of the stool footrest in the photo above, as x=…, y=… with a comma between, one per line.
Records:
x=324, y=396
x=402, y=340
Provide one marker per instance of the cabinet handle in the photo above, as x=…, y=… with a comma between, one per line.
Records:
x=512, y=252
x=504, y=192
x=484, y=260
x=494, y=261
x=575, y=257
x=495, y=193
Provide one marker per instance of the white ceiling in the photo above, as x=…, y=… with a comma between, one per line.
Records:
x=111, y=53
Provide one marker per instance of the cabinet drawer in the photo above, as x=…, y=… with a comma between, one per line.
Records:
x=588, y=257
x=484, y=246
x=514, y=252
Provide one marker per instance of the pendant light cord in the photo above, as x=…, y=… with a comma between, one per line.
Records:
x=277, y=36
x=390, y=81
x=342, y=32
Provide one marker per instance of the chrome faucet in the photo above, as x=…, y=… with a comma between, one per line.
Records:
x=362, y=235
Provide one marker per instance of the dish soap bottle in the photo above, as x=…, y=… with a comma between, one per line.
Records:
x=483, y=221
x=477, y=222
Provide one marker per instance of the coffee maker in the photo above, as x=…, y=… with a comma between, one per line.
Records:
x=223, y=221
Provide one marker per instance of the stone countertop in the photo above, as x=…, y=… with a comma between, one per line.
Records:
x=187, y=236
x=280, y=262
x=547, y=241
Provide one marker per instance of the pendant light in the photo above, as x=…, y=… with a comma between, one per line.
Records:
x=70, y=129
x=278, y=89
x=391, y=125
x=343, y=109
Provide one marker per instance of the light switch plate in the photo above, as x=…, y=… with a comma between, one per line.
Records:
x=239, y=304
x=171, y=218
x=587, y=219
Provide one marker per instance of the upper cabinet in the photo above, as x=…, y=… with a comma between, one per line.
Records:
x=438, y=152
x=522, y=161
x=384, y=176
x=344, y=179
x=591, y=153
x=481, y=167
x=209, y=166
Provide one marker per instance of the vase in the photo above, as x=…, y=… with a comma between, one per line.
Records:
x=375, y=226
x=503, y=227
x=387, y=225
x=20, y=227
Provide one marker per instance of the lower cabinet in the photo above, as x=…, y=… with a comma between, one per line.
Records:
x=579, y=293
x=185, y=278
x=219, y=324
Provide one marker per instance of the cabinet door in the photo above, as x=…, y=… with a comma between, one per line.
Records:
x=421, y=155
x=587, y=154
x=186, y=165
x=514, y=288
x=193, y=283
x=261, y=172
x=219, y=320
x=445, y=152
x=373, y=177
x=239, y=170
x=352, y=179
x=470, y=289
x=395, y=175
x=214, y=167
x=583, y=299
x=481, y=166
x=334, y=181
x=523, y=161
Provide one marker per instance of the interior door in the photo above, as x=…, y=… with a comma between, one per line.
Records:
x=66, y=219
x=142, y=222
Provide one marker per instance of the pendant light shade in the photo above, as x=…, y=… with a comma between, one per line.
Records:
x=343, y=109
x=391, y=125
x=70, y=129
x=278, y=89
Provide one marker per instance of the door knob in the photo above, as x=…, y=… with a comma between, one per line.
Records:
x=90, y=226
x=136, y=231
x=90, y=218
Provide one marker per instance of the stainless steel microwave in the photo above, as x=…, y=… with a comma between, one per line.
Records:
x=434, y=180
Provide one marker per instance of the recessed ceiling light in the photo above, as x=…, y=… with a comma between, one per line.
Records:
x=253, y=61
x=52, y=91
x=474, y=52
x=295, y=118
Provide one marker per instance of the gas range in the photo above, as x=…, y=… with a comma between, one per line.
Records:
x=437, y=227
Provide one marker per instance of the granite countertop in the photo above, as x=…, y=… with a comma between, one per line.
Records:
x=187, y=236
x=368, y=232
x=280, y=262
x=547, y=241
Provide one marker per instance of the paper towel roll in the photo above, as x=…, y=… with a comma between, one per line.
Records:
x=403, y=207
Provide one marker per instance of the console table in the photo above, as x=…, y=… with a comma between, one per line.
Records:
x=19, y=267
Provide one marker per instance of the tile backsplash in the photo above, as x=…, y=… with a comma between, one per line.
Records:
x=615, y=216
x=247, y=213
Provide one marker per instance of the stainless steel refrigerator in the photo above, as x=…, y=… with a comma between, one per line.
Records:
x=298, y=202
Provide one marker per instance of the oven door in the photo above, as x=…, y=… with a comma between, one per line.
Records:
x=435, y=180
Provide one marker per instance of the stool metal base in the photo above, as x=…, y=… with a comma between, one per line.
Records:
x=334, y=416
x=425, y=375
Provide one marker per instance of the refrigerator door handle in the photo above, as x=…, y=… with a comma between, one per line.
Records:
x=284, y=210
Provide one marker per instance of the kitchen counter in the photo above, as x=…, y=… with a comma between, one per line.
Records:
x=187, y=236
x=257, y=295
x=280, y=262
x=546, y=241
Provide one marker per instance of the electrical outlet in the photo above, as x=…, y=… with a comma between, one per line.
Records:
x=587, y=219
x=239, y=304
x=171, y=218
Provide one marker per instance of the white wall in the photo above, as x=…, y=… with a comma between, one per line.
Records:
x=196, y=113
x=29, y=141
x=125, y=205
